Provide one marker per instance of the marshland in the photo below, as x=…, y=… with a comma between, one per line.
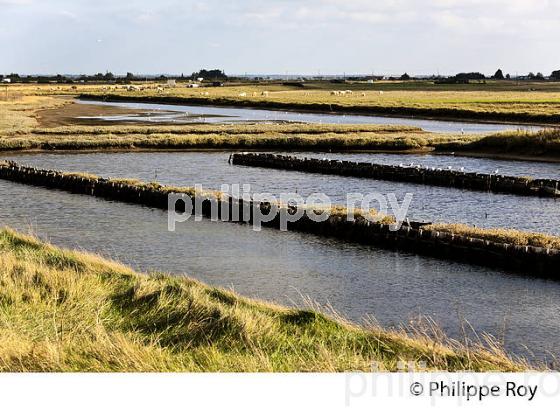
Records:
x=399, y=300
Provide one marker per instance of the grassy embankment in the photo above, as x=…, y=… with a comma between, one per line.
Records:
x=69, y=311
x=545, y=143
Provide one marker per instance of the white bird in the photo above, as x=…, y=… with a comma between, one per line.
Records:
x=496, y=171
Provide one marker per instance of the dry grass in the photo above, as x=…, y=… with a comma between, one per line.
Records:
x=223, y=140
x=541, y=143
x=18, y=115
x=509, y=236
x=68, y=311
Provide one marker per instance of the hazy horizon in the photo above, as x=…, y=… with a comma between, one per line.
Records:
x=310, y=37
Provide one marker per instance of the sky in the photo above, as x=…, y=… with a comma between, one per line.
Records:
x=279, y=36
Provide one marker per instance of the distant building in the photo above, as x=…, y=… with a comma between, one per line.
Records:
x=6, y=80
x=200, y=79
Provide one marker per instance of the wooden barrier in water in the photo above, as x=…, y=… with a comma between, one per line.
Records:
x=532, y=261
x=418, y=175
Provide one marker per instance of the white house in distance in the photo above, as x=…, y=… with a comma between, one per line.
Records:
x=6, y=80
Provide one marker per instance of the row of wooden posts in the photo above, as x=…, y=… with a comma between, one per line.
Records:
x=412, y=174
x=411, y=237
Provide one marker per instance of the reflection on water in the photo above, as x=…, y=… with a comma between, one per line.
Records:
x=230, y=115
x=356, y=280
x=211, y=169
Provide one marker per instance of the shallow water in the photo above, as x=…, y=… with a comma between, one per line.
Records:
x=230, y=115
x=437, y=204
x=357, y=281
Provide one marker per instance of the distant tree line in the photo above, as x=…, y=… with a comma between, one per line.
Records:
x=109, y=77
x=217, y=75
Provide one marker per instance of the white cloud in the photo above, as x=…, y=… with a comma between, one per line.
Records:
x=428, y=34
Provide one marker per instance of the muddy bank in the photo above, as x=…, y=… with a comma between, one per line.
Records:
x=69, y=114
x=76, y=113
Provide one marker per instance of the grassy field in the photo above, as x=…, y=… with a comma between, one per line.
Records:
x=69, y=311
x=503, y=101
x=493, y=100
x=23, y=119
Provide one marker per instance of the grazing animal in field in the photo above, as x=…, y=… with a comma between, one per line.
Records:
x=243, y=94
x=381, y=92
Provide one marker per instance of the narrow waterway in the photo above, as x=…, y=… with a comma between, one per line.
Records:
x=211, y=170
x=185, y=114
